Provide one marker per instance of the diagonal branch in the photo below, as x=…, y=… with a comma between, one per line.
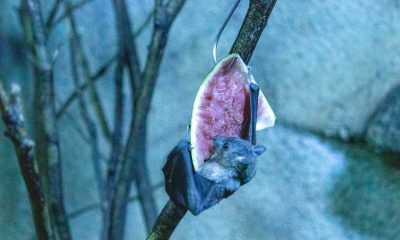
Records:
x=52, y=21
x=44, y=119
x=83, y=61
x=53, y=12
x=134, y=162
x=95, y=206
x=127, y=45
x=245, y=43
x=87, y=119
x=127, y=58
x=116, y=146
x=167, y=221
x=82, y=88
x=13, y=119
x=253, y=26
x=145, y=23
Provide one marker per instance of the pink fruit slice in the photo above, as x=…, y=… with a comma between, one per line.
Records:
x=222, y=106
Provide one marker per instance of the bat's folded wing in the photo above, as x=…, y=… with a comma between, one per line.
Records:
x=184, y=186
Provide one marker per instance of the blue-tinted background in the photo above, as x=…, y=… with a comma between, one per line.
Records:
x=331, y=72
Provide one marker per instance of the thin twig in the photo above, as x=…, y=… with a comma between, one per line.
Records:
x=127, y=45
x=13, y=119
x=45, y=133
x=87, y=119
x=77, y=127
x=95, y=206
x=64, y=15
x=145, y=23
x=128, y=58
x=81, y=132
x=134, y=162
x=116, y=145
x=82, y=88
x=94, y=95
x=52, y=15
x=245, y=43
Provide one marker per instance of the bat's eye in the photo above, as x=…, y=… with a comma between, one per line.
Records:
x=225, y=146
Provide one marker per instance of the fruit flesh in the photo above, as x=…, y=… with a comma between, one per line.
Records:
x=222, y=107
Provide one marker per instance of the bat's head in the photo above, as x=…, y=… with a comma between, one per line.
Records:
x=233, y=150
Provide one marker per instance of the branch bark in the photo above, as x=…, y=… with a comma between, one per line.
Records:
x=253, y=26
x=79, y=90
x=75, y=47
x=83, y=61
x=127, y=59
x=245, y=43
x=45, y=133
x=134, y=163
x=13, y=119
x=167, y=221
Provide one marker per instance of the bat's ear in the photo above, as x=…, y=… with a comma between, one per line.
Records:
x=258, y=150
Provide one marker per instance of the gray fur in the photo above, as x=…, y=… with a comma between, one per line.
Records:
x=233, y=163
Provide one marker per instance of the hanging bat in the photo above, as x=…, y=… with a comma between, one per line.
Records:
x=232, y=165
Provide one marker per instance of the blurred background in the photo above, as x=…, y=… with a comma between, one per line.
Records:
x=331, y=72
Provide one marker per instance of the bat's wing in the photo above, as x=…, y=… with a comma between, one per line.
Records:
x=249, y=171
x=178, y=174
x=184, y=186
x=192, y=191
x=254, y=92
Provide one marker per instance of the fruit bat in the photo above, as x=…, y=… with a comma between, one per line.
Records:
x=232, y=164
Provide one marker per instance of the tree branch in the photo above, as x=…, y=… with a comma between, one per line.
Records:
x=256, y=20
x=145, y=23
x=245, y=43
x=127, y=58
x=13, y=119
x=134, y=162
x=167, y=221
x=52, y=15
x=52, y=22
x=44, y=119
x=96, y=206
x=116, y=146
x=87, y=119
x=94, y=95
x=76, y=93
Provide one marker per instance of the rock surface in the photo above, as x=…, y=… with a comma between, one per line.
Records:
x=384, y=128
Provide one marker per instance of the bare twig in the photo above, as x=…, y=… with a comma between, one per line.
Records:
x=245, y=43
x=96, y=76
x=116, y=146
x=145, y=23
x=96, y=206
x=77, y=127
x=94, y=95
x=127, y=57
x=13, y=119
x=82, y=133
x=134, y=162
x=117, y=142
x=89, y=122
x=127, y=45
x=45, y=133
x=51, y=23
x=52, y=15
